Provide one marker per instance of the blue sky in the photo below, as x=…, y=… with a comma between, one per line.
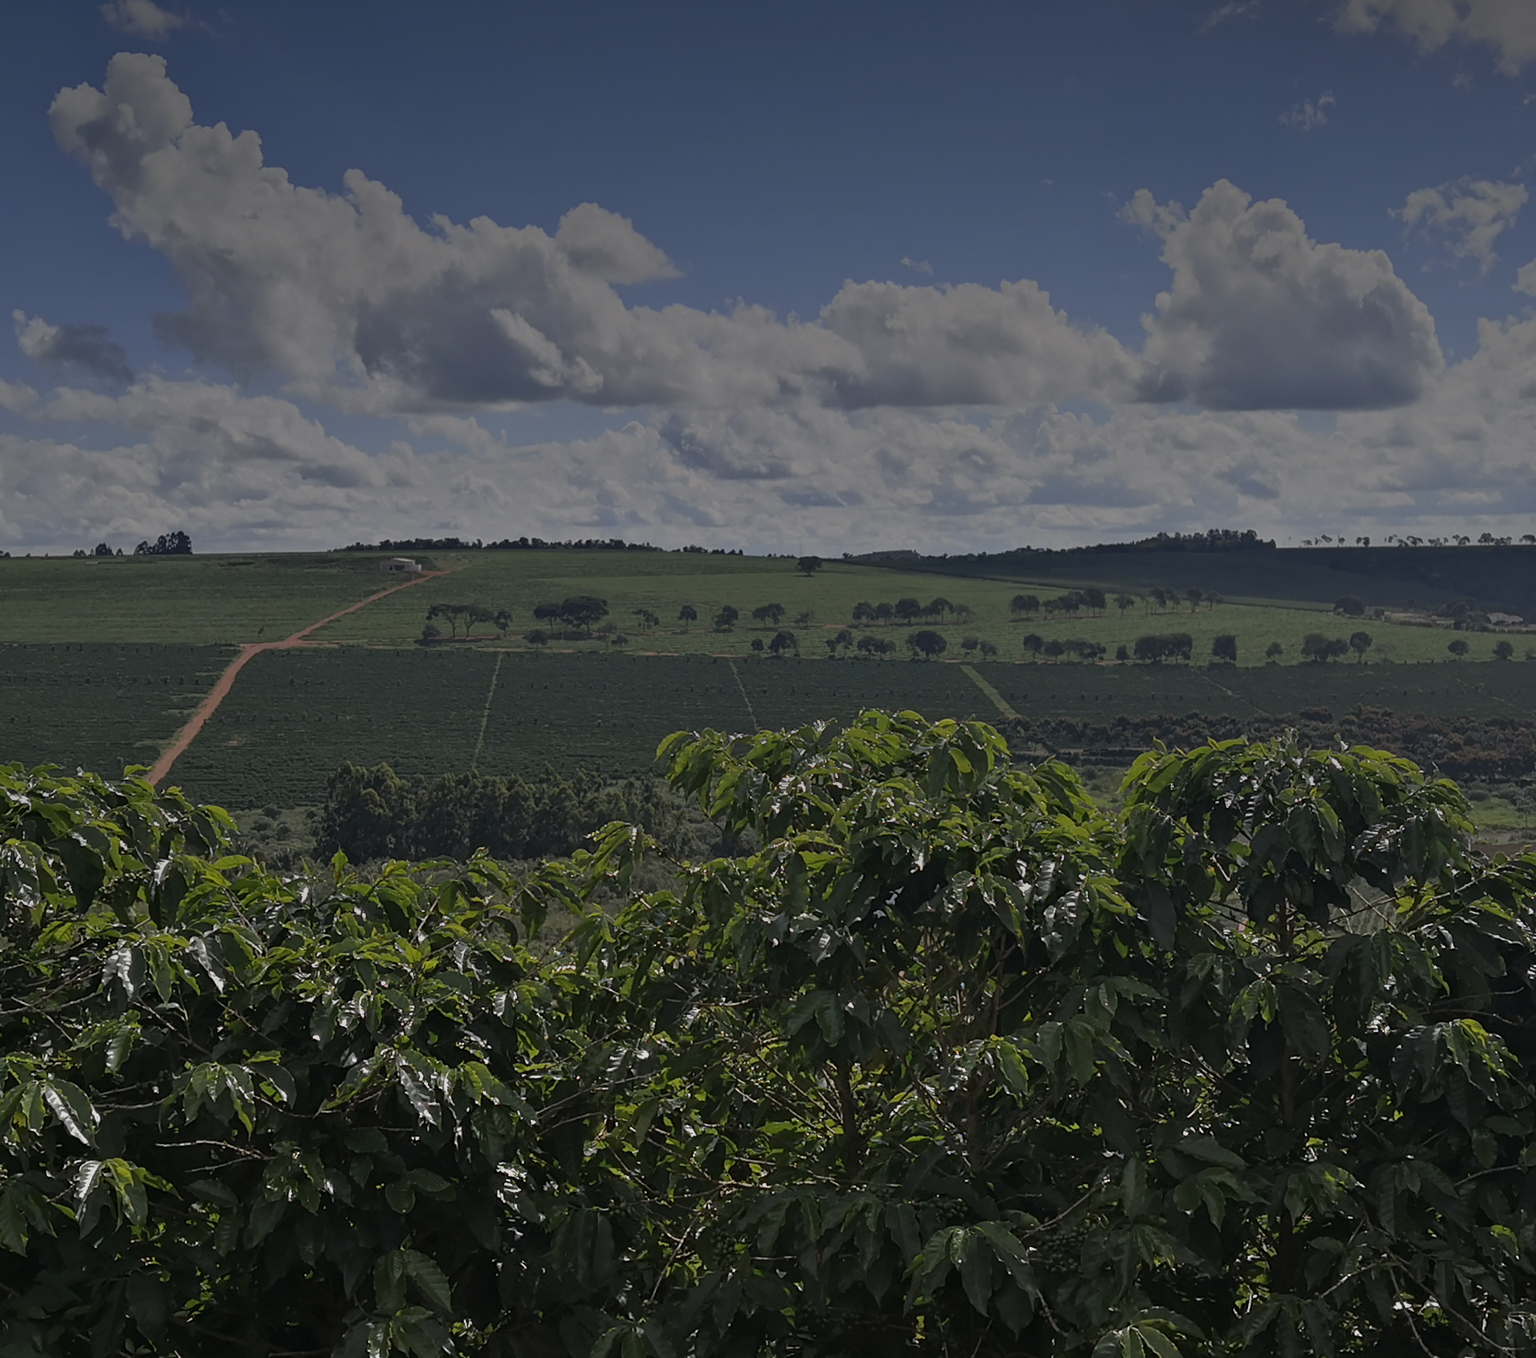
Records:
x=781, y=277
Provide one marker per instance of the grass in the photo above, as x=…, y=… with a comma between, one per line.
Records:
x=189, y=600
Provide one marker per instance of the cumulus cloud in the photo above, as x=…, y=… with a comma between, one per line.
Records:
x=1508, y=26
x=1469, y=214
x=1525, y=280
x=921, y=266
x=143, y=18
x=350, y=299
x=1260, y=316
x=1310, y=114
x=85, y=346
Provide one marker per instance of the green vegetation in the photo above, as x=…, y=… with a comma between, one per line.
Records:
x=185, y=600
x=408, y=679
x=375, y=814
x=949, y=1063
x=99, y=706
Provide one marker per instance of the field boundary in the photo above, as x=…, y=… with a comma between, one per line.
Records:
x=736, y=675
x=997, y=700
x=485, y=716
x=248, y=652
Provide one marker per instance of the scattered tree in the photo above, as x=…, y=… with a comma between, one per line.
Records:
x=1273, y=652
x=1349, y=606
x=784, y=642
x=687, y=615
x=1459, y=648
x=726, y=618
x=928, y=644
x=769, y=614
x=1158, y=647
x=1503, y=650
x=1224, y=647
x=648, y=620
x=808, y=565
x=1033, y=643
x=1360, y=643
x=1024, y=605
x=1320, y=649
x=907, y=609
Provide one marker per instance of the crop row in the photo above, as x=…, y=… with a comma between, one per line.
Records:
x=294, y=716
x=100, y=707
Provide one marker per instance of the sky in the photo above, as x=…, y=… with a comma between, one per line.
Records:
x=828, y=277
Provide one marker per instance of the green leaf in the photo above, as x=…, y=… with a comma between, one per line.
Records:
x=75, y=1112
x=429, y=1280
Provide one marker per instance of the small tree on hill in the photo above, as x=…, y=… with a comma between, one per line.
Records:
x=928, y=644
x=1459, y=648
x=1273, y=651
x=1024, y=605
x=908, y=608
x=1503, y=650
x=1360, y=643
x=1349, y=606
x=783, y=643
x=725, y=619
x=808, y=565
x=1033, y=642
x=687, y=615
x=1224, y=647
x=768, y=614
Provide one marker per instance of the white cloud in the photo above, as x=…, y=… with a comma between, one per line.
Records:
x=1509, y=26
x=85, y=346
x=142, y=18
x=1471, y=213
x=1525, y=280
x=921, y=266
x=1310, y=114
x=1238, y=9
x=1260, y=316
x=350, y=299
x=1145, y=212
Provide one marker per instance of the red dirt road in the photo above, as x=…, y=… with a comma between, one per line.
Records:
x=226, y=681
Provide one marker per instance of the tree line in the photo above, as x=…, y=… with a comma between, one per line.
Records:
x=374, y=813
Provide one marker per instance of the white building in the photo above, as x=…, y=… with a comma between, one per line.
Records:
x=400, y=565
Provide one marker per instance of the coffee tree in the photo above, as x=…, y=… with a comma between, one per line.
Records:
x=942, y=1060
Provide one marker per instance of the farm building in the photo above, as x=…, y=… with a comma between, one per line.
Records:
x=400, y=565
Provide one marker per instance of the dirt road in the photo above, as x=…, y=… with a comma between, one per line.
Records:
x=226, y=681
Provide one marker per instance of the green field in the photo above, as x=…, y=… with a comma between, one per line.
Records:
x=99, y=707
x=100, y=663
x=194, y=600
x=213, y=600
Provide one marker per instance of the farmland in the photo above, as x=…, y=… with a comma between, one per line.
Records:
x=100, y=663
x=99, y=707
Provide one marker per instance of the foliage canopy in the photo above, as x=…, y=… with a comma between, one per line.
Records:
x=949, y=1062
